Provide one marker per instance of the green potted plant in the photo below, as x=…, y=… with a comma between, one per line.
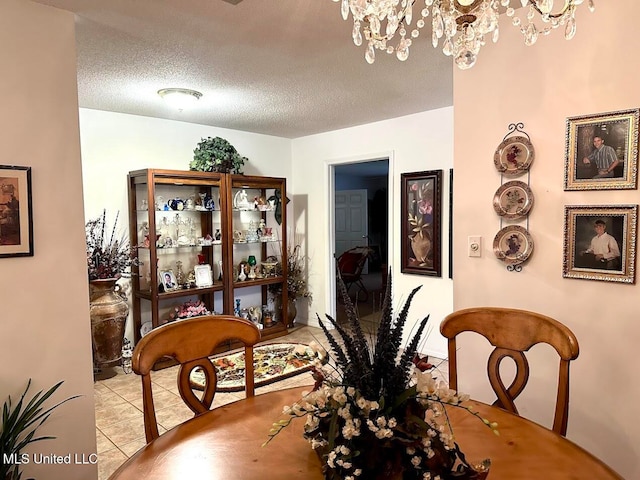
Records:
x=215, y=154
x=19, y=426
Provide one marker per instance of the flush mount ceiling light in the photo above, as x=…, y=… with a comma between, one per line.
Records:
x=462, y=24
x=179, y=98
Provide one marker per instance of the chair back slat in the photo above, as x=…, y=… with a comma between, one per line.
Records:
x=195, y=403
x=506, y=396
x=191, y=342
x=514, y=332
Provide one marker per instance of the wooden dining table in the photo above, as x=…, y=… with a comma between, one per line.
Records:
x=226, y=444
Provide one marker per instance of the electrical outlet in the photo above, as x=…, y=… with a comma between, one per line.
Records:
x=475, y=246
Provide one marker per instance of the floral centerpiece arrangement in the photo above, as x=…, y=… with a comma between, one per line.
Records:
x=373, y=414
x=108, y=254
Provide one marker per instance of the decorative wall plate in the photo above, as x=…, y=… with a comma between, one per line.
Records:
x=514, y=155
x=513, y=245
x=513, y=200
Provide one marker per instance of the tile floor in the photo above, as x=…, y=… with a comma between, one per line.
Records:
x=118, y=403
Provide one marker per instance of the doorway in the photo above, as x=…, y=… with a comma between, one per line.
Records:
x=359, y=216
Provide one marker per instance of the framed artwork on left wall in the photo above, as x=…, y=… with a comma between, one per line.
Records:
x=16, y=216
x=421, y=219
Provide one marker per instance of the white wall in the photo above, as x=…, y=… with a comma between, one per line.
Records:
x=417, y=142
x=45, y=327
x=113, y=144
x=541, y=86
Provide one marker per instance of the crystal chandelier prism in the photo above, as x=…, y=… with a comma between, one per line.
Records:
x=459, y=26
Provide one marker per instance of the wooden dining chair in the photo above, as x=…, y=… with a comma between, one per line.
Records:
x=190, y=342
x=513, y=332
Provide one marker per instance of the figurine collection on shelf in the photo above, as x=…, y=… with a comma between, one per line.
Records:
x=255, y=234
x=181, y=232
x=261, y=316
x=249, y=269
x=241, y=202
x=199, y=276
x=203, y=202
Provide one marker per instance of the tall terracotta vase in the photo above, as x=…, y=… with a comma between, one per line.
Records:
x=108, y=310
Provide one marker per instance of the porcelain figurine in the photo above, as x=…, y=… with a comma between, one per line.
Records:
x=241, y=275
x=255, y=314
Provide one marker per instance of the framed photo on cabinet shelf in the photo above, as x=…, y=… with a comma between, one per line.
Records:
x=16, y=216
x=421, y=218
x=168, y=280
x=601, y=151
x=204, y=275
x=600, y=242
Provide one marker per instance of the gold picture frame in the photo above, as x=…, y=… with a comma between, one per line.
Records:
x=592, y=141
x=600, y=242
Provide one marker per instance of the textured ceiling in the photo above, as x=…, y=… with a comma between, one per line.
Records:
x=278, y=67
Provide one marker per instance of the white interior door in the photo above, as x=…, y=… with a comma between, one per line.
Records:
x=351, y=225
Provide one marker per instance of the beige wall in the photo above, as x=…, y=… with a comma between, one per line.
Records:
x=540, y=86
x=49, y=339
x=45, y=328
x=413, y=143
x=113, y=144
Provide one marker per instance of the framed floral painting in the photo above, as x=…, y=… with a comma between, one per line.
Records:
x=421, y=219
x=16, y=216
x=600, y=242
x=602, y=151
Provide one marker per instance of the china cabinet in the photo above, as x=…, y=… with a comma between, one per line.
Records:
x=207, y=239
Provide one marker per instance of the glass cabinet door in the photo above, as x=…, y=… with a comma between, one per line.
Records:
x=258, y=256
x=178, y=231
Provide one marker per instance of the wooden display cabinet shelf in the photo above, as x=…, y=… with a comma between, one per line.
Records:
x=257, y=282
x=182, y=292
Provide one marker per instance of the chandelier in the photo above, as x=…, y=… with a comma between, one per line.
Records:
x=460, y=26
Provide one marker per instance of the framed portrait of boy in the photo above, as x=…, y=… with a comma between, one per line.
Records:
x=600, y=242
x=168, y=280
x=601, y=151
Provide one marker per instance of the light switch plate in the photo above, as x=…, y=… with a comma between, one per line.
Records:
x=475, y=246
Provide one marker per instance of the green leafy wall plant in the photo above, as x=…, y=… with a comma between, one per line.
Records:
x=19, y=426
x=216, y=155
